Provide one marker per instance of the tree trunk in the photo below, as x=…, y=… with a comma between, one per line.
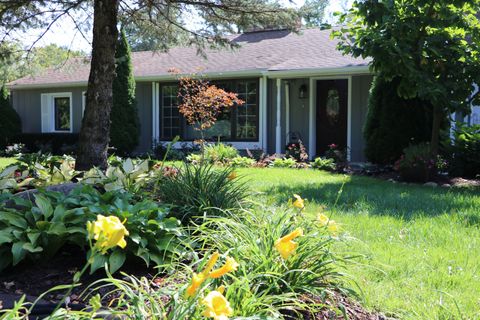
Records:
x=437, y=123
x=94, y=135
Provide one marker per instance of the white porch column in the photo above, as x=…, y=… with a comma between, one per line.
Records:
x=287, y=111
x=155, y=112
x=278, y=131
x=263, y=113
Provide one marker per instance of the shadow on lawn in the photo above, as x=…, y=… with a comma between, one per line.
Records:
x=372, y=196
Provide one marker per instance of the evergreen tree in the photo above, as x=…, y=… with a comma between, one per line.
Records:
x=125, y=125
x=10, y=122
x=393, y=123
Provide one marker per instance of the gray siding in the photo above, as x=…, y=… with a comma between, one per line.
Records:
x=360, y=92
x=28, y=105
x=144, y=105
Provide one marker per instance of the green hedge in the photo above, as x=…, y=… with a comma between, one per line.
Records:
x=10, y=122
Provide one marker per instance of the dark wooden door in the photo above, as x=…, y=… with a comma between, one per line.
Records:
x=332, y=113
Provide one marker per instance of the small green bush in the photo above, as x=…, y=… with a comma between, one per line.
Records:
x=417, y=164
x=201, y=189
x=465, y=159
x=324, y=164
x=220, y=152
x=284, y=163
x=242, y=162
x=10, y=122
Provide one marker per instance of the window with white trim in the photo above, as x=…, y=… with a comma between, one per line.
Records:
x=239, y=123
x=56, y=112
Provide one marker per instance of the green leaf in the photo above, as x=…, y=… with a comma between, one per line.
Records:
x=59, y=213
x=116, y=260
x=13, y=219
x=98, y=262
x=44, y=205
x=18, y=253
x=33, y=237
x=31, y=248
x=57, y=228
x=43, y=225
x=5, y=237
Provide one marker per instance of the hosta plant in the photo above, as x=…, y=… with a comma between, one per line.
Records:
x=124, y=175
x=32, y=230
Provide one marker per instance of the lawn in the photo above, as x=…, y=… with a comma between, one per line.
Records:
x=420, y=245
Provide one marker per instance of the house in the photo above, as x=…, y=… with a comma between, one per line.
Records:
x=293, y=85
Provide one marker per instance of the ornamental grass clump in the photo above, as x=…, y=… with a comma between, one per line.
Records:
x=199, y=190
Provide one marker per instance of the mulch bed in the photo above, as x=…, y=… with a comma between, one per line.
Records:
x=33, y=279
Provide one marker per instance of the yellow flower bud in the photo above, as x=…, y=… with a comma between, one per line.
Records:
x=229, y=266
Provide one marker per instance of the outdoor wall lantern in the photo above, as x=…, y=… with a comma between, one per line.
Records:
x=303, y=91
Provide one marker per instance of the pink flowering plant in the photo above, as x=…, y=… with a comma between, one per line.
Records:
x=418, y=165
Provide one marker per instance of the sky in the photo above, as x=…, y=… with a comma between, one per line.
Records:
x=64, y=33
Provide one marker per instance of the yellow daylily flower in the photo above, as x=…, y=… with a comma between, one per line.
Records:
x=286, y=246
x=232, y=175
x=217, y=306
x=108, y=231
x=323, y=219
x=229, y=266
x=197, y=281
x=299, y=202
x=333, y=227
x=211, y=263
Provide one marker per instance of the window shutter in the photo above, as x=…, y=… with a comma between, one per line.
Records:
x=46, y=113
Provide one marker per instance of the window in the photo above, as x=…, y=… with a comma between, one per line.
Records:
x=62, y=113
x=56, y=110
x=239, y=123
x=170, y=116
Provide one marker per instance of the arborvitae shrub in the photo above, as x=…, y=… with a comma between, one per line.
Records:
x=10, y=122
x=125, y=125
x=393, y=123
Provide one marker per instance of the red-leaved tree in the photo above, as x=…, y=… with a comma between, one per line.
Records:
x=201, y=103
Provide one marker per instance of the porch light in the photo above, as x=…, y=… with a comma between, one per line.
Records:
x=303, y=91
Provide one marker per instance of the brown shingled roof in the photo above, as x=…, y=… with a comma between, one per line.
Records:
x=278, y=50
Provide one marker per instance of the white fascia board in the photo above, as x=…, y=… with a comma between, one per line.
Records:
x=301, y=73
x=298, y=73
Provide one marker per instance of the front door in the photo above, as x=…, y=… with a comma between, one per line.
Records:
x=332, y=113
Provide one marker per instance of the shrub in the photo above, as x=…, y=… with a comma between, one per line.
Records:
x=297, y=151
x=393, y=123
x=10, y=122
x=242, y=162
x=284, y=163
x=220, y=152
x=324, y=164
x=198, y=190
x=338, y=155
x=33, y=230
x=417, y=164
x=466, y=152
x=55, y=143
x=125, y=125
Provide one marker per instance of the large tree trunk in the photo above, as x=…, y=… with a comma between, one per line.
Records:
x=94, y=135
x=436, y=125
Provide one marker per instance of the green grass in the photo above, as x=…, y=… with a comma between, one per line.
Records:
x=6, y=161
x=421, y=245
